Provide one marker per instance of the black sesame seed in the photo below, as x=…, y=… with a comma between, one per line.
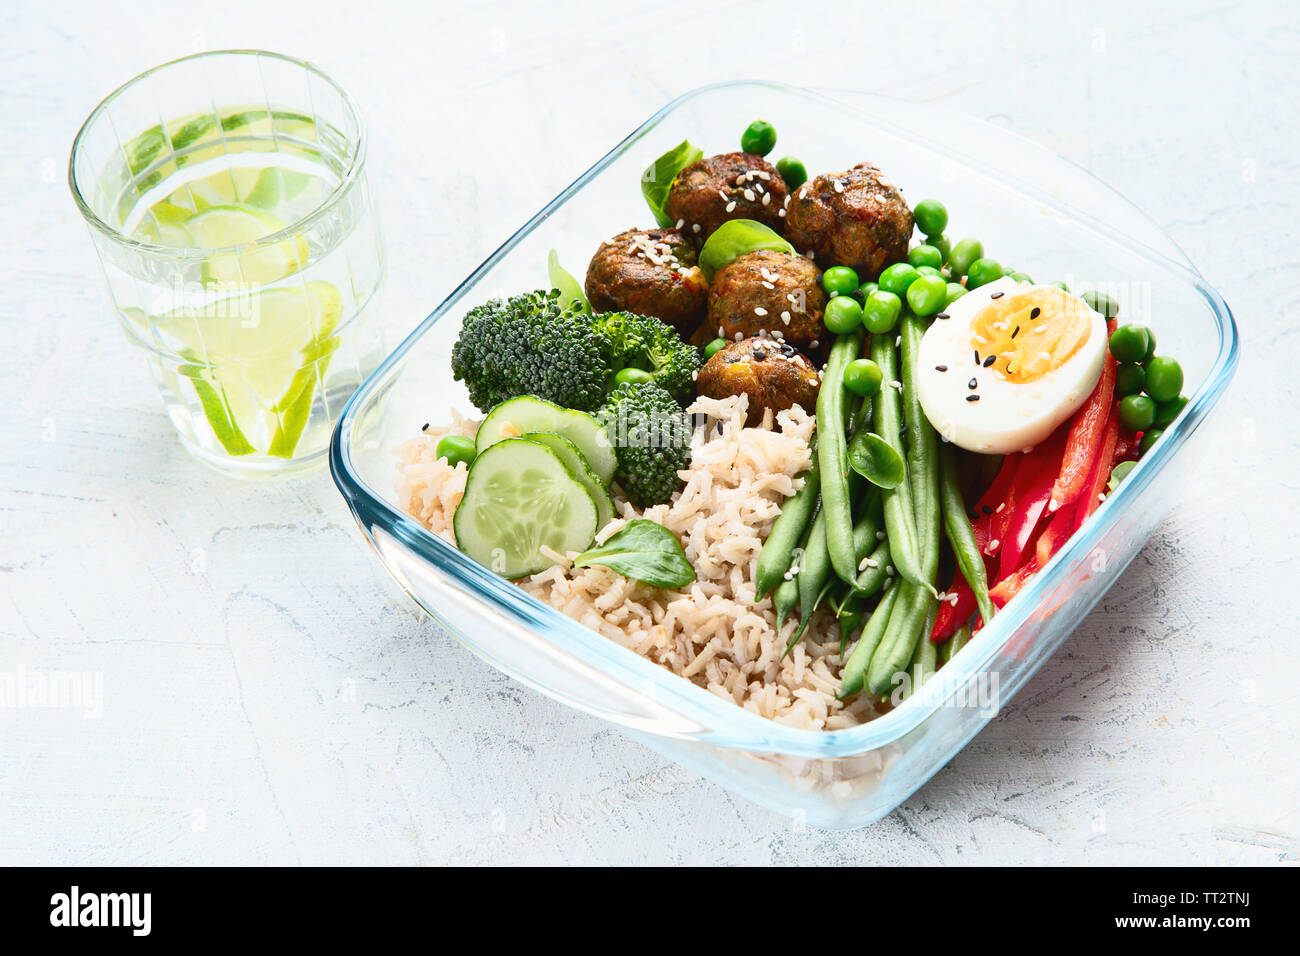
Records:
x=977, y=356
x=974, y=515
x=1015, y=332
x=972, y=384
x=1035, y=312
x=987, y=510
x=759, y=355
x=424, y=427
x=996, y=295
x=990, y=360
x=941, y=368
x=942, y=315
x=972, y=398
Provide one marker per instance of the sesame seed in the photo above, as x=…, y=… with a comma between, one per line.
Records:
x=972, y=384
x=997, y=295
x=760, y=311
x=723, y=195
x=680, y=223
x=1035, y=312
x=942, y=315
x=839, y=186
x=731, y=206
x=768, y=285
x=749, y=195
x=896, y=384
x=990, y=360
x=898, y=340
x=1015, y=332
x=785, y=317
x=977, y=356
x=993, y=545
x=814, y=343
x=941, y=368
x=1001, y=508
x=767, y=199
x=781, y=213
x=972, y=398
x=424, y=427
x=739, y=336
x=695, y=228
x=986, y=509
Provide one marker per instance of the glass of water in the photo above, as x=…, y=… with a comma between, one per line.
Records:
x=226, y=197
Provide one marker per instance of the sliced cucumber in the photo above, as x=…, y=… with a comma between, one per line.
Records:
x=579, y=467
x=517, y=416
x=518, y=498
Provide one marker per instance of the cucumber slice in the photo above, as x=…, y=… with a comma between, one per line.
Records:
x=517, y=416
x=520, y=496
x=578, y=466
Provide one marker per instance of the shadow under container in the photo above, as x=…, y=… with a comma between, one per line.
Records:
x=1029, y=207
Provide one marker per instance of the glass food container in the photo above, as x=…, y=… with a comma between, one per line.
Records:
x=1030, y=207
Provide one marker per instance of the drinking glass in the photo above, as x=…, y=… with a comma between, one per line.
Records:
x=226, y=196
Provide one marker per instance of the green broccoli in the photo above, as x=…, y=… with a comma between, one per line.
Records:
x=531, y=345
x=653, y=438
x=646, y=343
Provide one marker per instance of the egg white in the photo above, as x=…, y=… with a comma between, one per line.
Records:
x=1008, y=417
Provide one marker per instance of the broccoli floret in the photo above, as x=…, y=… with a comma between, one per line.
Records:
x=653, y=438
x=531, y=345
x=646, y=343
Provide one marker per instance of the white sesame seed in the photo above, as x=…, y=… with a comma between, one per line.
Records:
x=880, y=536
x=768, y=285
x=785, y=317
x=723, y=195
x=695, y=228
x=739, y=336
x=1000, y=508
x=760, y=311
x=767, y=199
x=781, y=213
x=731, y=206
x=680, y=223
x=749, y=195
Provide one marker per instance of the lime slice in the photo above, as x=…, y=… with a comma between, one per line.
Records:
x=233, y=225
x=255, y=361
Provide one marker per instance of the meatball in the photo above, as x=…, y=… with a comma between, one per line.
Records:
x=773, y=374
x=768, y=291
x=711, y=191
x=649, y=272
x=857, y=218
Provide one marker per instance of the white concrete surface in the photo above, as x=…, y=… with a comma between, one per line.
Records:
x=270, y=696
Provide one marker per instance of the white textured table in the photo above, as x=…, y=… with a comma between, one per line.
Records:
x=270, y=696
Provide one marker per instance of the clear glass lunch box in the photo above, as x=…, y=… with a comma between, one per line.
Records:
x=1032, y=210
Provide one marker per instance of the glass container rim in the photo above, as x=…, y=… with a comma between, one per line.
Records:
x=723, y=722
x=353, y=172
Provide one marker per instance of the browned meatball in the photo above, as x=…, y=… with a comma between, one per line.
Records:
x=649, y=272
x=857, y=218
x=711, y=191
x=768, y=291
x=773, y=374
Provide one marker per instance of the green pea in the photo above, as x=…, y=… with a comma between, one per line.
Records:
x=898, y=277
x=982, y=272
x=1022, y=277
x=941, y=243
x=843, y=314
x=929, y=271
x=866, y=289
x=1164, y=379
x=839, y=280
x=1101, y=302
x=955, y=291
x=1129, y=380
x=792, y=171
x=1137, y=412
x=1119, y=473
x=759, y=138
x=1166, y=412
x=632, y=376
x=1129, y=343
x=963, y=254
x=881, y=310
x=925, y=256
x=927, y=295
x=1149, y=438
x=931, y=216
x=863, y=377
x=456, y=448
x=1151, y=347
x=1060, y=285
x=713, y=348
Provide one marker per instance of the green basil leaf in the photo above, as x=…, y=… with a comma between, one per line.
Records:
x=570, y=290
x=644, y=551
x=659, y=176
x=875, y=460
x=735, y=238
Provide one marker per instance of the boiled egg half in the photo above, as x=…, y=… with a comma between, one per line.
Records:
x=1007, y=363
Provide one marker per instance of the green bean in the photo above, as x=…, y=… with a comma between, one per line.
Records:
x=786, y=596
x=814, y=568
x=922, y=454
x=925, y=659
x=960, y=536
x=855, y=668
x=900, y=523
x=894, y=653
x=832, y=453
x=873, y=576
x=959, y=639
x=790, y=525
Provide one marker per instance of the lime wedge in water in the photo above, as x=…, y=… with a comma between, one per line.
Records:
x=234, y=225
x=255, y=361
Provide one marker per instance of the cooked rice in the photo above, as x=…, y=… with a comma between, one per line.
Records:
x=714, y=633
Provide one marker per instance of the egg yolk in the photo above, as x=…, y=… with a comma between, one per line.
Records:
x=1031, y=333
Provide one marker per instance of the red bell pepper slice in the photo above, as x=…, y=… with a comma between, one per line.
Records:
x=1084, y=440
x=1033, y=491
x=955, y=608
